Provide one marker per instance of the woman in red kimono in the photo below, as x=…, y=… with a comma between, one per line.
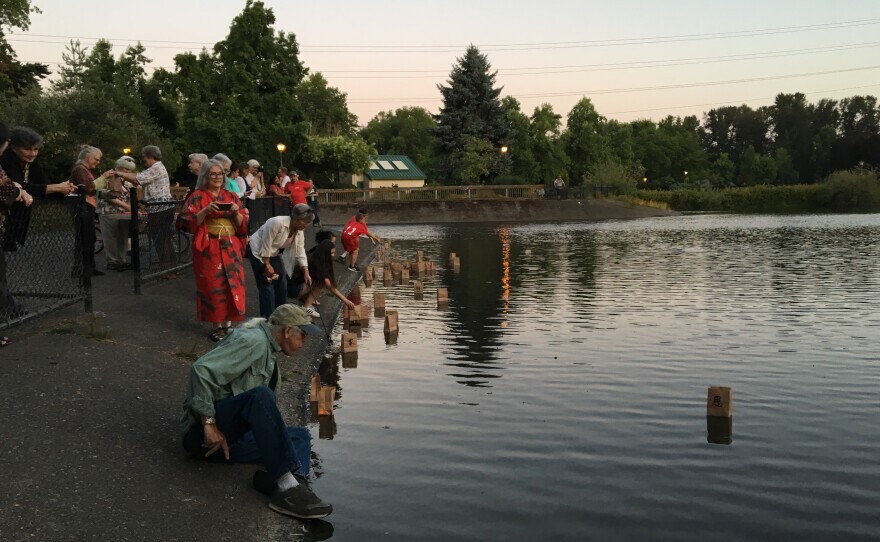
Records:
x=218, y=222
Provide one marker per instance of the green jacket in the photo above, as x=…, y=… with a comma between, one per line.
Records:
x=242, y=361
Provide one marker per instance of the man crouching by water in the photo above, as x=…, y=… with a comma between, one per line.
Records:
x=230, y=412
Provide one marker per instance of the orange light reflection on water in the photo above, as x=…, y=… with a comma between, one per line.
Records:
x=504, y=236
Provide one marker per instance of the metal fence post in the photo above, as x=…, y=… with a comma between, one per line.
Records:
x=87, y=253
x=134, y=234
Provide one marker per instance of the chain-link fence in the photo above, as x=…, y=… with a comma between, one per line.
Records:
x=45, y=264
x=157, y=247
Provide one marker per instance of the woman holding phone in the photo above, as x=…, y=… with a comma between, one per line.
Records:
x=218, y=222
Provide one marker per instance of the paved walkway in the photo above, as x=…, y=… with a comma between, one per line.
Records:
x=90, y=439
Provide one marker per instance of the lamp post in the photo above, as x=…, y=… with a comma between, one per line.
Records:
x=504, y=149
x=281, y=148
x=126, y=151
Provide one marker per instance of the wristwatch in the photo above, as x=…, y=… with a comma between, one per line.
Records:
x=209, y=421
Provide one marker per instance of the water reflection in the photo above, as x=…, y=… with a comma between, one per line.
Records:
x=613, y=329
x=719, y=429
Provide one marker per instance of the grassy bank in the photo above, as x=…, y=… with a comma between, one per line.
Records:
x=843, y=192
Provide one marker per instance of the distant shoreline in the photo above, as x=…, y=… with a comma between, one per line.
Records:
x=447, y=212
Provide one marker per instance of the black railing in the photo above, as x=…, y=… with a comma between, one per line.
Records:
x=580, y=192
x=51, y=267
x=159, y=248
x=262, y=209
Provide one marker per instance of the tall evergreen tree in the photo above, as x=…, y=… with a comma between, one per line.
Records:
x=471, y=113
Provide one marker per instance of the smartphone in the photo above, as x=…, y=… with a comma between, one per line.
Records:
x=224, y=206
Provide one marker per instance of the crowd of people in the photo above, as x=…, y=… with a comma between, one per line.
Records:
x=230, y=403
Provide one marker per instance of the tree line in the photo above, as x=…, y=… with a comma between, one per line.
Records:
x=251, y=91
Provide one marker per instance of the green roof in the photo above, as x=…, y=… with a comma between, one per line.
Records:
x=393, y=167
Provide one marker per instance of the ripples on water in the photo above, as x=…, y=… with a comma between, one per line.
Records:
x=561, y=396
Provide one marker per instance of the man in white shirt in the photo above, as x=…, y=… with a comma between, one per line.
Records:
x=559, y=187
x=274, y=251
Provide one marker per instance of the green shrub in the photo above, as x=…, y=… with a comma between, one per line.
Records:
x=620, y=179
x=855, y=191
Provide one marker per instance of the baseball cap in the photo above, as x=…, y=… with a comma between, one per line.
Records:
x=290, y=315
x=301, y=211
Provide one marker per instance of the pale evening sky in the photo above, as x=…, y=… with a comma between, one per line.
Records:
x=634, y=59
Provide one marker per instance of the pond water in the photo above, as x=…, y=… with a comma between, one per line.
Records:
x=562, y=394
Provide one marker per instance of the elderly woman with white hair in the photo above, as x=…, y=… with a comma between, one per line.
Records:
x=218, y=222
x=89, y=158
x=196, y=160
x=255, y=179
x=114, y=212
x=157, y=191
x=226, y=162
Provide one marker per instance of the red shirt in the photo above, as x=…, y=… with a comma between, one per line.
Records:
x=354, y=229
x=297, y=190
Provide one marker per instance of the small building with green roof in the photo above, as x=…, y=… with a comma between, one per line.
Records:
x=390, y=171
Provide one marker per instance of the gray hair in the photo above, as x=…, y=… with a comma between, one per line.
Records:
x=202, y=181
x=25, y=137
x=126, y=162
x=87, y=150
x=198, y=157
x=223, y=159
x=152, y=151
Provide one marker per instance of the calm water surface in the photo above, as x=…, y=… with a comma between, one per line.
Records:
x=562, y=394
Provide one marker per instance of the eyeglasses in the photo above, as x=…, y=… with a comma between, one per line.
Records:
x=226, y=171
x=215, y=174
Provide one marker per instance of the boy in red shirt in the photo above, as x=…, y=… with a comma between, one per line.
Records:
x=354, y=228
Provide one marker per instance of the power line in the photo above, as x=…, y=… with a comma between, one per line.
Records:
x=497, y=47
x=731, y=102
x=608, y=66
x=633, y=65
x=640, y=89
x=636, y=63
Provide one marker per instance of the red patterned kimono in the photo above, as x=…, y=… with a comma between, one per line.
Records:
x=217, y=257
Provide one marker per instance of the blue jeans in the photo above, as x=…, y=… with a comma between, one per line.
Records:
x=272, y=294
x=255, y=432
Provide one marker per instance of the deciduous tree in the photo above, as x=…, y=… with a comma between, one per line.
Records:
x=409, y=131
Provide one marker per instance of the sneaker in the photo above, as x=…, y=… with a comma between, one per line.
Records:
x=312, y=312
x=340, y=258
x=265, y=484
x=353, y=268
x=300, y=502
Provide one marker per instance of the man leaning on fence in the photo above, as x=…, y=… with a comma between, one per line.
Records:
x=157, y=188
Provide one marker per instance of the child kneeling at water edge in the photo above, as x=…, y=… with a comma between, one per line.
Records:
x=354, y=228
x=323, y=278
